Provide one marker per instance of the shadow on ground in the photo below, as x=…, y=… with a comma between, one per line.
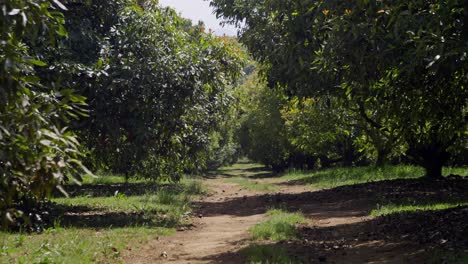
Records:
x=100, y=218
x=345, y=201
x=107, y=190
x=395, y=238
x=400, y=238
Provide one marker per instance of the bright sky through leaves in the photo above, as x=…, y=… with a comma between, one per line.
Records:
x=197, y=10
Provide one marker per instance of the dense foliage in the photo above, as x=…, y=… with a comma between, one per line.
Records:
x=262, y=134
x=398, y=66
x=143, y=90
x=156, y=86
x=129, y=87
x=37, y=151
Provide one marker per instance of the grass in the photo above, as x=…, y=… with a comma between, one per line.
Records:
x=105, y=178
x=100, y=229
x=252, y=185
x=74, y=245
x=267, y=254
x=335, y=177
x=164, y=208
x=280, y=225
x=405, y=207
x=243, y=165
x=462, y=171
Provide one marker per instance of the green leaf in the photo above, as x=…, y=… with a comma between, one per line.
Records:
x=61, y=31
x=37, y=62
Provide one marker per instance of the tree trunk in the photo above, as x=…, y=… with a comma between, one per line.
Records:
x=382, y=158
x=434, y=170
x=127, y=177
x=431, y=157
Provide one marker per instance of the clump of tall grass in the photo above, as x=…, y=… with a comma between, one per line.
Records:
x=280, y=225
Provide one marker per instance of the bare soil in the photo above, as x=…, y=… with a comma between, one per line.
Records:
x=339, y=230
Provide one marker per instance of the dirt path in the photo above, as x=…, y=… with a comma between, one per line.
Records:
x=221, y=223
x=216, y=229
x=340, y=228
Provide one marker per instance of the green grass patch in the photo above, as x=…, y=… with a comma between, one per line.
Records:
x=243, y=166
x=335, y=177
x=99, y=229
x=193, y=186
x=243, y=169
x=280, y=225
x=267, y=254
x=252, y=184
x=164, y=208
x=406, y=207
x=106, y=178
x=462, y=171
x=73, y=245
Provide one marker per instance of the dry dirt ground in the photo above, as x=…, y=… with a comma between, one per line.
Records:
x=339, y=230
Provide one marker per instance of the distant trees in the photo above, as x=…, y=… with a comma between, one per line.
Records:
x=262, y=134
x=283, y=132
x=400, y=66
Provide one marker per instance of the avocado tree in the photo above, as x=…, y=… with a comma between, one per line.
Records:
x=405, y=60
x=37, y=152
x=322, y=128
x=262, y=133
x=156, y=85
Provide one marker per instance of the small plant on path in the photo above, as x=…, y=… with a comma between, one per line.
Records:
x=280, y=225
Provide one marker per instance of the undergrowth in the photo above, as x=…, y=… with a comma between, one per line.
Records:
x=280, y=225
x=99, y=229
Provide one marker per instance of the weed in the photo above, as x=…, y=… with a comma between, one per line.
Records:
x=280, y=225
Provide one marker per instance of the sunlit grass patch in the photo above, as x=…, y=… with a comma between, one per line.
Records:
x=280, y=225
x=462, y=171
x=193, y=186
x=164, y=207
x=252, y=184
x=405, y=207
x=98, y=229
x=106, y=178
x=243, y=166
x=267, y=254
x=74, y=245
x=334, y=177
